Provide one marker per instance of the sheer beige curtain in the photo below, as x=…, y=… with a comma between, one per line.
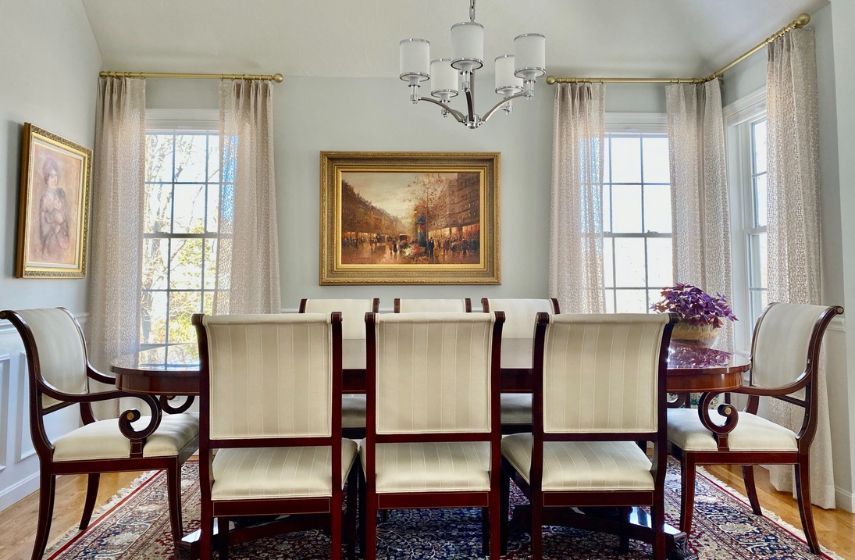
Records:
x=699, y=196
x=247, y=249
x=794, y=247
x=576, y=228
x=117, y=206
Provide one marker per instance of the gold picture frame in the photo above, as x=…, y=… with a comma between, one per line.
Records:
x=53, y=206
x=409, y=218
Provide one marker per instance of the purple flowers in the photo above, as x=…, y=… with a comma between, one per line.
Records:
x=694, y=306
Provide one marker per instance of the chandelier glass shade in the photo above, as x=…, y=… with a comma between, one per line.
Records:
x=515, y=73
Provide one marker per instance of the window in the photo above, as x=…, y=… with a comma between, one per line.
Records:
x=755, y=231
x=181, y=214
x=636, y=220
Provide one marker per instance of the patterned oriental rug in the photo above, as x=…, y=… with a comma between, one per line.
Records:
x=135, y=526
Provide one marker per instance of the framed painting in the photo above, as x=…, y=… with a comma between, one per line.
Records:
x=409, y=218
x=53, y=210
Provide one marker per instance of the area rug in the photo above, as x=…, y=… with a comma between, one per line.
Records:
x=135, y=526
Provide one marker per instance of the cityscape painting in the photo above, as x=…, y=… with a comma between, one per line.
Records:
x=409, y=218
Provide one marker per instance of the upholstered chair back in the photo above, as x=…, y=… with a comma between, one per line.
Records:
x=60, y=350
x=431, y=306
x=520, y=314
x=269, y=375
x=352, y=313
x=433, y=372
x=601, y=373
x=781, y=343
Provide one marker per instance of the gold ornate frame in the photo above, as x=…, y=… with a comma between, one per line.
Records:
x=24, y=268
x=333, y=272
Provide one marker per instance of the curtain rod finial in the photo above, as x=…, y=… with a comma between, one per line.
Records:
x=278, y=78
x=802, y=20
x=550, y=80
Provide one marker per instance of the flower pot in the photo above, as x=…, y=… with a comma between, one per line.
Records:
x=695, y=335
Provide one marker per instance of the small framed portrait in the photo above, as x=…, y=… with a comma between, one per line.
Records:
x=53, y=206
x=409, y=218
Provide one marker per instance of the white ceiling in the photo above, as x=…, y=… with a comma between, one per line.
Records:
x=355, y=38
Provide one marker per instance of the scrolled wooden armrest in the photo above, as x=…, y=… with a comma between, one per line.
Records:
x=100, y=377
x=55, y=393
x=754, y=390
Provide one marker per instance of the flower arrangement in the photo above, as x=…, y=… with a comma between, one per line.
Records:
x=694, y=306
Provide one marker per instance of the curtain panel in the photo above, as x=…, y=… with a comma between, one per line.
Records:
x=794, y=248
x=247, y=276
x=576, y=227
x=117, y=210
x=699, y=192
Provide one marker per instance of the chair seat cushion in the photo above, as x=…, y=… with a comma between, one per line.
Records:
x=353, y=411
x=431, y=467
x=103, y=440
x=752, y=433
x=582, y=465
x=277, y=472
x=516, y=409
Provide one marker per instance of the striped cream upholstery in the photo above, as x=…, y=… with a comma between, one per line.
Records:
x=432, y=306
x=582, y=465
x=431, y=467
x=600, y=373
x=352, y=313
x=781, y=347
x=433, y=372
x=61, y=350
x=270, y=375
x=520, y=315
x=752, y=433
x=277, y=472
x=103, y=440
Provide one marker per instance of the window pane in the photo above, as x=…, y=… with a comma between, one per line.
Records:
x=208, y=302
x=761, y=211
x=606, y=161
x=210, y=263
x=190, y=155
x=629, y=262
x=657, y=208
x=626, y=208
x=158, y=200
x=758, y=133
x=213, y=157
x=610, y=301
x=158, y=157
x=186, y=270
x=182, y=306
x=626, y=159
x=659, y=258
x=189, y=213
x=656, y=169
x=608, y=263
x=213, y=217
x=653, y=296
x=631, y=301
x=153, y=318
x=155, y=264
x=758, y=256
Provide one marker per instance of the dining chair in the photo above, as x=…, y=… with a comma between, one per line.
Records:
x=59, y=375
x=785, y=354
x=353, y=328
x=270, y=423
x=433, y=434
x=599, y=391
x=520, y=316
x=463, y=305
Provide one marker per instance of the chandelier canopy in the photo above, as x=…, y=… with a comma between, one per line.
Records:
x=516, y=73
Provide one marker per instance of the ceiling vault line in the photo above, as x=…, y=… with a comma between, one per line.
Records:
x=797, y=23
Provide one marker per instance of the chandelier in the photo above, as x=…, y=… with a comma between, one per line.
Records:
x=516, y=73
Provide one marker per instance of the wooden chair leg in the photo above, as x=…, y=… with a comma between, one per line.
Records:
x=206, y=530
x=47, y=491
x=173, y=484
x=623, y=546
x=223, y=537
x=335, y=528
x=536, y=526
x=751, y=488
x=369, y=551
x=504, y=507
x=350, y=511
x=657, y=512
x=495, y=530
x=91, y=495
x=687, y=494
x=485, y=531
x=805, y=510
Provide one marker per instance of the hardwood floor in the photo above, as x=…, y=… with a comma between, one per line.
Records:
x=836, y=529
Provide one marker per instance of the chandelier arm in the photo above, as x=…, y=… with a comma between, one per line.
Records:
x=461, y=118
x=470, y=98
x=499, y=105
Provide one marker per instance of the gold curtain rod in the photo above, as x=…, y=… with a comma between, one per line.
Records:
x=797, y=23
x=278, y=78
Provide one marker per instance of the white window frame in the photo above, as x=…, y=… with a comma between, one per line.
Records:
x=636, y=123
x=738, y=117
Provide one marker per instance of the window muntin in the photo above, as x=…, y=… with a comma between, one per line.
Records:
x=636, y=220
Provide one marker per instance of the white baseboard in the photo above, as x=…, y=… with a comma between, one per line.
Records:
x=845, y=500
x=18, y=491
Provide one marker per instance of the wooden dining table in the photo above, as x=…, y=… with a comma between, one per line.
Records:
x=170, y=374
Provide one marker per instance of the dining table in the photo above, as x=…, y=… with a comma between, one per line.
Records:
x=167, y=377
